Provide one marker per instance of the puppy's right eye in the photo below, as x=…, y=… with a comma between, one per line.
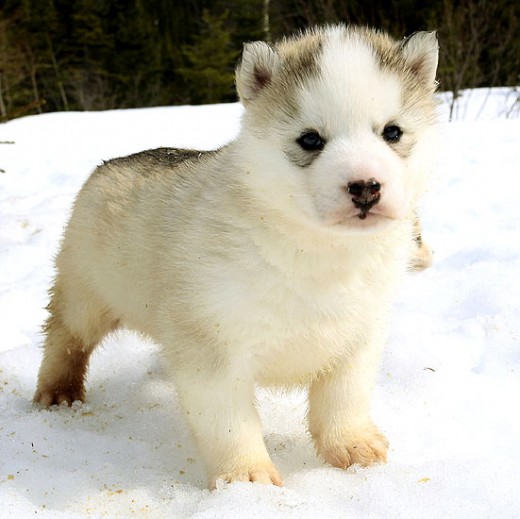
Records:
x=311, y=141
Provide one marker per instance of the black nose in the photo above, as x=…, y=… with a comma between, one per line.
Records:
x=365, y=195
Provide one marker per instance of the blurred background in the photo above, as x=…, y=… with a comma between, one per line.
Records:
x=102, y=54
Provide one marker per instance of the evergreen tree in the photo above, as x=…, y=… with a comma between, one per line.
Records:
x=210, y=61
x=88, y=46
x=135, y=63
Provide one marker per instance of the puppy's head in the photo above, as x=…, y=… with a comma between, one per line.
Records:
x=338, y=124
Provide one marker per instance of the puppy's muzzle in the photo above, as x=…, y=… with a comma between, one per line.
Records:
x=365, y=195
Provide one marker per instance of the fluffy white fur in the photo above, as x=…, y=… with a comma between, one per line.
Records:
x=249, y=268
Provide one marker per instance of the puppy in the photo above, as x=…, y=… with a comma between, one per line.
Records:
x=270, y=261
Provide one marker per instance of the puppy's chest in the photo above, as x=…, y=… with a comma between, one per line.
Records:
x=290, y=329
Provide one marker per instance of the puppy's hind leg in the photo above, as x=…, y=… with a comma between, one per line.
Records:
x=76, y=324
x=422, y=256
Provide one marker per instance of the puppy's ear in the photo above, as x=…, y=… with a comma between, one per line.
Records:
x=255, y=69
x=421, y=54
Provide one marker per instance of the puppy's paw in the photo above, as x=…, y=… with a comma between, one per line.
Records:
x=58, y=395
x=365, y=447
x=265, y=473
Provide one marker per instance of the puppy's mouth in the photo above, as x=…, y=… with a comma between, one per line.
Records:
x=371, y=215
x=365, y=216
x=363, y=213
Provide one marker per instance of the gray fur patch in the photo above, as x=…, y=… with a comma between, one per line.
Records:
x=147, y=161
x=300, y=157
x=299, y=62
x=405, y=146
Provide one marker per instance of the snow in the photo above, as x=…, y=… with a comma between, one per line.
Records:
x=446, y=392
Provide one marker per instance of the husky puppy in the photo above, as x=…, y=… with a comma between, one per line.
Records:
x=269, y=261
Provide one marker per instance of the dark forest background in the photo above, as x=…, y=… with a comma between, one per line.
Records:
x=102, y=54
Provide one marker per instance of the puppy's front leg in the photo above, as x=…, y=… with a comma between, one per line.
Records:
x=339, y=411
x=220, y=407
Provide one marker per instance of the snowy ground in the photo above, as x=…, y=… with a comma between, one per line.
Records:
x=445, y=397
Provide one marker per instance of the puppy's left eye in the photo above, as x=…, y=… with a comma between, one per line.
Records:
x=392, y=133
x=311, y=141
